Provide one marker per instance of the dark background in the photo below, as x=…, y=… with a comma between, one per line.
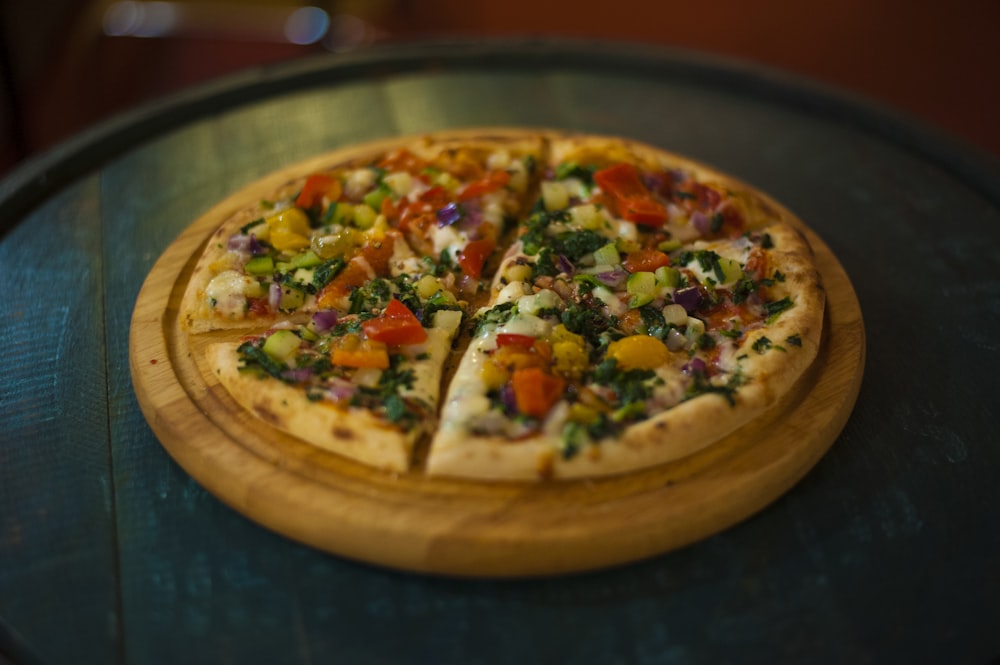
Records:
x=937, y=62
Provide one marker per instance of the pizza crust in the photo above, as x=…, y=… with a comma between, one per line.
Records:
x=353, y=433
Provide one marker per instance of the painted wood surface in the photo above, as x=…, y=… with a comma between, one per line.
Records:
x=885, y=551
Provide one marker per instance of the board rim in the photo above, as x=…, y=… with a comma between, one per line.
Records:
x=411, y=522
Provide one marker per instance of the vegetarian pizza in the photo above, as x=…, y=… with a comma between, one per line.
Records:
x=524, y=306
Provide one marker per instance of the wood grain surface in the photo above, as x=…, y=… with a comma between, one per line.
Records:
x=460, y=527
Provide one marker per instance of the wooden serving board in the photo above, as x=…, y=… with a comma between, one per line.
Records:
x=458, y=527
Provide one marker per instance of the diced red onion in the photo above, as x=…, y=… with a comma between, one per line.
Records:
x=701, y=222
x=508, y=399
x=689, y=298
x=472, y=215
x=239, y=243
x=256, y=248
x=274, y=295
x=449, y=214
x=657, y=182
x=339, y=390
x=694, y=366
x=564, y=264
x=612, y=278
x=324, y=319
x=297, y=375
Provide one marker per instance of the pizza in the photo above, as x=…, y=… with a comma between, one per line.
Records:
x=522, y=306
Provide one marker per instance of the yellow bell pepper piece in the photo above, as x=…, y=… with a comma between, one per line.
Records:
x=638, y=352
x=289, y=230
x=569, y=352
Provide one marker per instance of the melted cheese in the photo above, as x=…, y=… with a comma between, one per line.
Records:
x=427, y=359
x=227, y=293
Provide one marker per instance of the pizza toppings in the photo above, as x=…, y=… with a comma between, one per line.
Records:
x=629, y=287
x=397, y=325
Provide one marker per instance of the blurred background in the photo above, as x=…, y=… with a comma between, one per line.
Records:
x=68, y=64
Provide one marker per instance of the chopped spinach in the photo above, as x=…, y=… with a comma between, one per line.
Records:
x=373, y=295
x=585, y=321
x=576, y=244
x=496, y=316
x=254, y=358
x=325, y=273
x=574, y=170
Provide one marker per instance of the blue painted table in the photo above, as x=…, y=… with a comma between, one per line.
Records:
x=886, y=552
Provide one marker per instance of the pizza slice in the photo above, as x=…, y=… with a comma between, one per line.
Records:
x=364, y=385
x=622, y=333
x=433, y=207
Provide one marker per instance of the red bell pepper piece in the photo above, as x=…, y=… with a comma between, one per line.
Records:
x=474, y=256
x=397, y=325
x=645, y=260
x=632, y=199
x=491, y=182
x=315, y=188
x=373, y=256
x=513, y=339
x=536, y=391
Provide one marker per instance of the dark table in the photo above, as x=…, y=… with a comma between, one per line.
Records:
x=887, y=551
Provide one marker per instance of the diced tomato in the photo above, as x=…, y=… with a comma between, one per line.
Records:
x=397, y=325
x=633, y=200
x=421, y=214
x=645, y=260
x=756, y=263
x=512, y=339
x=536, y=391
x=493, y=181
x=648, y=212
x=621, y=180
x=722, y=315
x=403, y=160
x=373, y=257
x=474, y=256
x=389, y=208
x=631, y=322
x=732, y=220
x=706, y=197
x=258, y=307
x=315, y=188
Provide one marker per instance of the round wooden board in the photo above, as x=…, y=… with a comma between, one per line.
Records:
x=458, y=527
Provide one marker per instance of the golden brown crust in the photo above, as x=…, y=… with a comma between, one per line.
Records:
x=353, y=433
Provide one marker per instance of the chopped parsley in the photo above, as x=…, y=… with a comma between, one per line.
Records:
x=701, y=385
x=774, y=308
x=763, y=344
